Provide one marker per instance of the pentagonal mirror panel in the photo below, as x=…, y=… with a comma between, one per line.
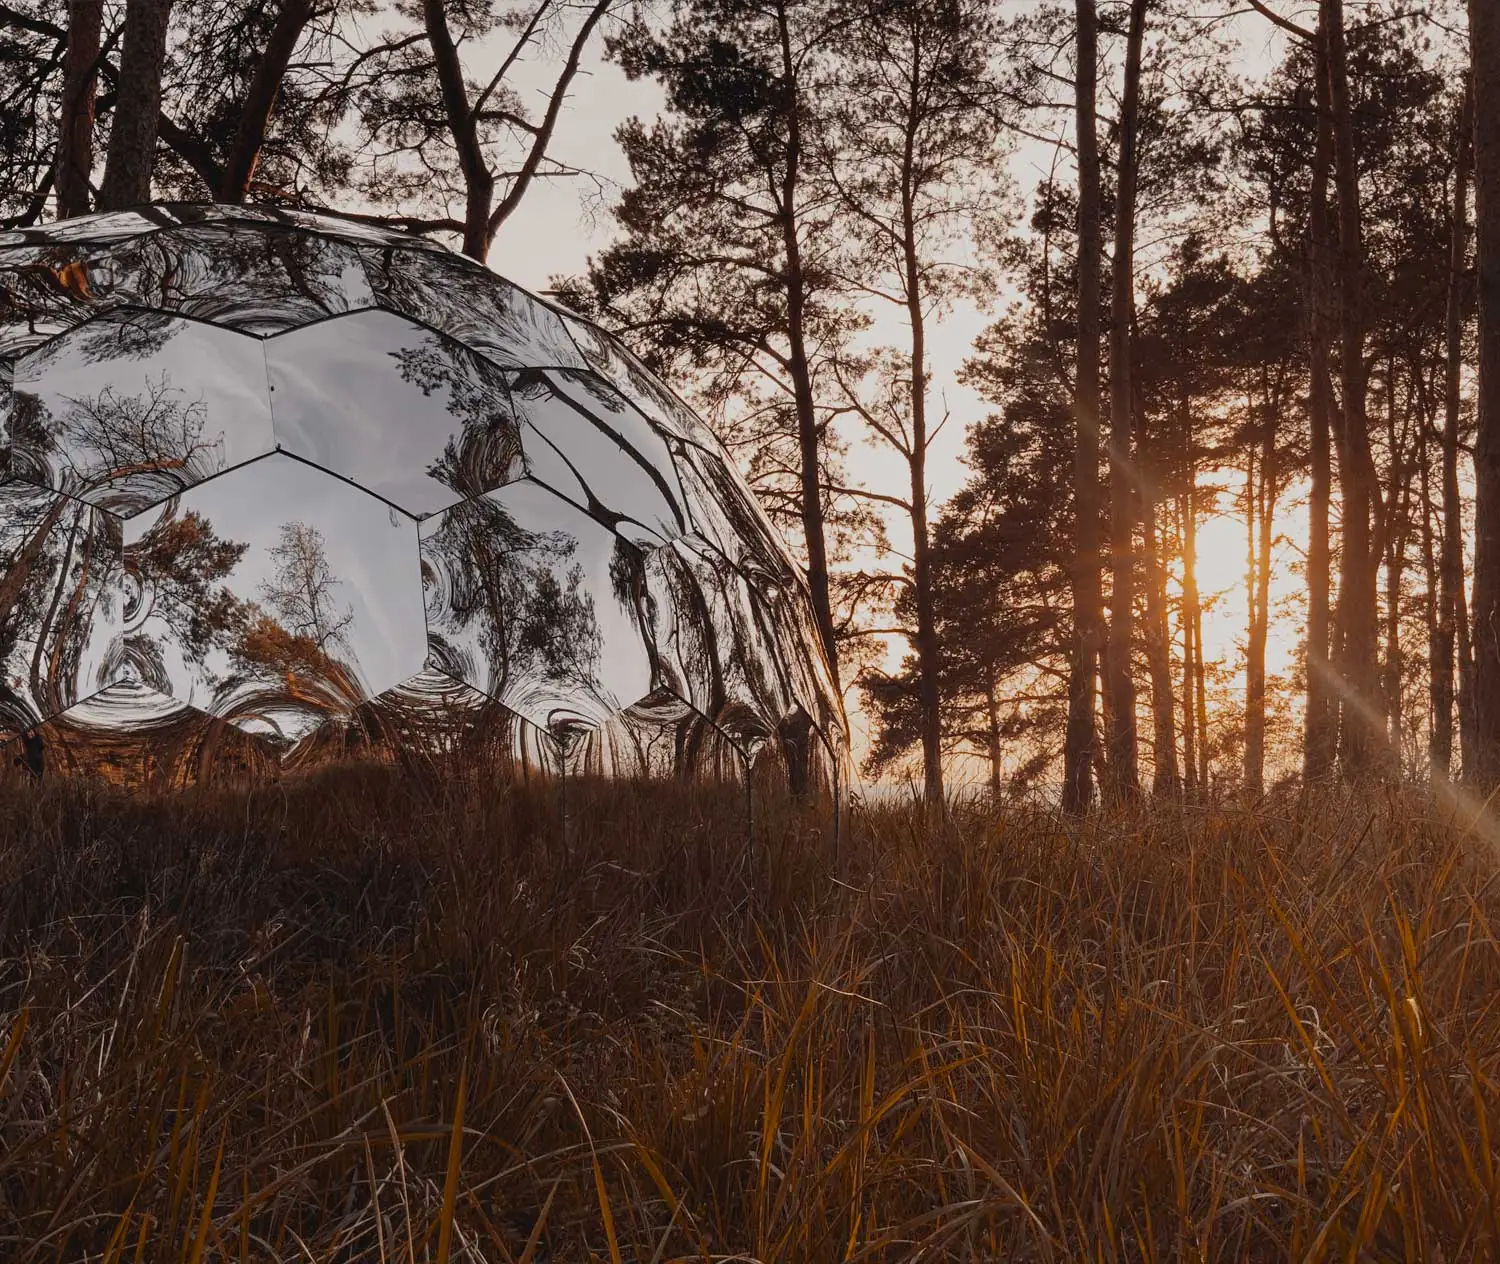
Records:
x=587, y=443
x=135, y=406
x=412, y=416
x=275, y=596
x=259, y=282
x=483, y=311
x=64, y=603
x=538, y=605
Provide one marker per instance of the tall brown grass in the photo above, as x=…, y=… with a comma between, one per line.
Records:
x=376, y=1015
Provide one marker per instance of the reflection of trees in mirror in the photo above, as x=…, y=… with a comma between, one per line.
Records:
x=149, y=440
x=521, y=594
x=488, y=452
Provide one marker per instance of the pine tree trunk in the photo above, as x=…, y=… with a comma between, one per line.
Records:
x=799, y=369
x=1165, y=780
x=75, y=127
x=1260, y=520
x=1088, y=618
x=1119, y=674
x=1192, y=631
x=1484, y=35
x=1320, y=730
x=1450, y=661
x=992, y=733
x=132, y=136
x=1360, y=544
x=1439, y=734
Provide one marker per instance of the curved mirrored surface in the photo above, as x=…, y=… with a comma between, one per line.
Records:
x=414, y=417
x=64, y=605
x=276, y=596
x=134, y=406
x=281, y=489
x=539, y=606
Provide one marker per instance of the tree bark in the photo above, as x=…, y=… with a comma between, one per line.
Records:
x=75, y=127
x=132, y=135
x=479, y=181
x=1165, y=779
x=1320, y=723
x=1192, y=735
x=928, y=650
x=260, y=101
x=1451, y=658
x=1484, y=38
x=1119, y=676
x=1078, y=751
x=1360, y=544
x=1260, y=516
x=799, y=368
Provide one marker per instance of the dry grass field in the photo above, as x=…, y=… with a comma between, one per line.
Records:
x=368, y=1015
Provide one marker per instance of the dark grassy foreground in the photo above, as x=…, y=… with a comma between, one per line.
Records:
x=362, y=1016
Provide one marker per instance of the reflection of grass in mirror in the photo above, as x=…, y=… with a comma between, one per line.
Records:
x=245, y=1024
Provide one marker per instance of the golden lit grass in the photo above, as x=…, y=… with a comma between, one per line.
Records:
x=366, y=1016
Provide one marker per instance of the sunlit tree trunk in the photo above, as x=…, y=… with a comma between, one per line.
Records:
x=1192, y=634
x=1119, y=675
x=1078, y=753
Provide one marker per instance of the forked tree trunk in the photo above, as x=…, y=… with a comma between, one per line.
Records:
x=260, y=100
x=1088, y=617
x=75, y=125
x=1119, y=675
x=132, y=135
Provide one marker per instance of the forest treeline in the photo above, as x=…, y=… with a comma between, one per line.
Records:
x=1259, y=275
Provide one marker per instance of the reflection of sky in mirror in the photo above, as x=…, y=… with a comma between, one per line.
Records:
x=369, y=599
x=380, y=400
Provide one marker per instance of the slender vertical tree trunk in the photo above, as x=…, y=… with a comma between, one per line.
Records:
x=1119, y=674
x=75, y=125
x=1451, y=659
x=928, y=649
x=1078, y=752
x=992, y=733
x=1165, y=780
x=1397, y=516
x=1484, y=37
x=132, y=136
x=1192, y=633
x=800, y=369
x=1439, y=739
x=1260, y=519
x=1360, y=543
x=1319, y=732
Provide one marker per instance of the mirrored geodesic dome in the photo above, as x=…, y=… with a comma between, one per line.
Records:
x=274, y=486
